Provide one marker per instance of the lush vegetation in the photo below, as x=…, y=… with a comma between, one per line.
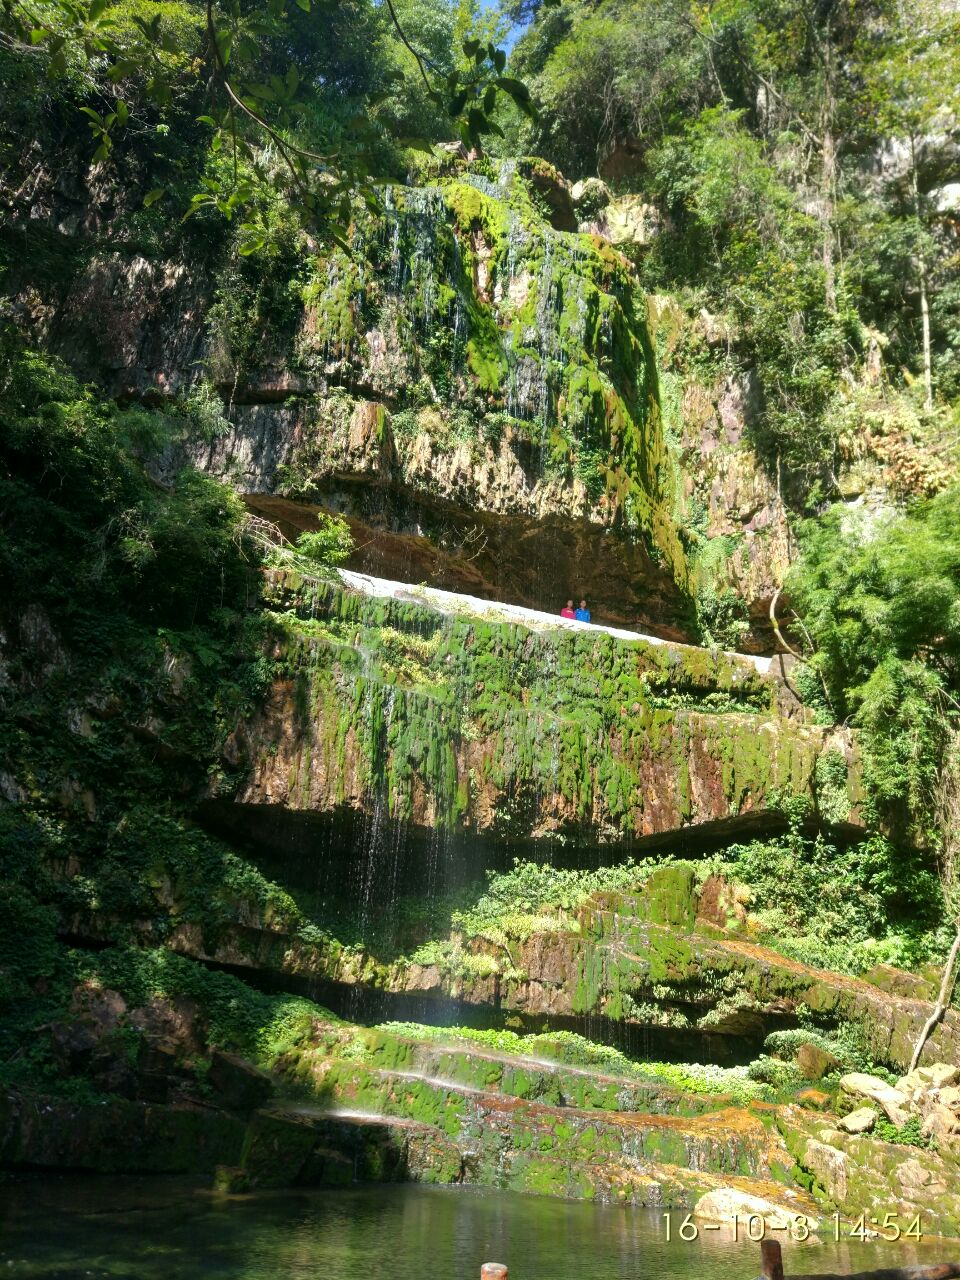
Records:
x=760, y=129
x=294, y=107
x=130, y=645
x=880, y=598
x=843, y=907
x=799, y=167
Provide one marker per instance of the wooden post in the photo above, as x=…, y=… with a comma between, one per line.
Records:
x=493, y=1271
x=771, y=1260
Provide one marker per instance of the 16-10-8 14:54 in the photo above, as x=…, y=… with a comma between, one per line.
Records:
x=798, y=1226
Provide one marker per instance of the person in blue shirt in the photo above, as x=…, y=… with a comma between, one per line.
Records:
x=583, y=613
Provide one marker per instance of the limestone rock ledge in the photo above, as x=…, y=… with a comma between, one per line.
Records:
x=453, y=723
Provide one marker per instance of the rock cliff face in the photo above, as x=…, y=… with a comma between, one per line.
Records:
x=453, y=724
x=495, y=406
x=476, y=390
x=493, y=402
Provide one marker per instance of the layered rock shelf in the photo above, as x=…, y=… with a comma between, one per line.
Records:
x=454, y=723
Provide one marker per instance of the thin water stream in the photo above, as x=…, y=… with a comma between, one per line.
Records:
x=64, y=1228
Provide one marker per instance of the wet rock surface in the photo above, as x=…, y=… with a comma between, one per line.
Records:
x=497, y=728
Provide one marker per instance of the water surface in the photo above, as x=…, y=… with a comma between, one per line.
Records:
x=65, y=1228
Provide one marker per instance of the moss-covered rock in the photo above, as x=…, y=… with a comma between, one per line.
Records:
x=457, y=723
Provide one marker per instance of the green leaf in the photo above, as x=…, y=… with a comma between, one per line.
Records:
x=304, y=5
x=470, y=47
x=517, y=90
x=153, y=196
x=293, y=78
x=207, y=120
x=123, y=112
x=499, y=59
x=94, y=115
x=96, y=8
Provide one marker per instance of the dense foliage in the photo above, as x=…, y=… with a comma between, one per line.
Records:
x=800, y=156
x=129, y=645
x=880, y=597
x=288, y=100
x=838, y=907
x=800, y=161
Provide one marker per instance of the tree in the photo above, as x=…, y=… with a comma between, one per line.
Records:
x=948, y=820
x=247, y=62
x=881, y=601
x=914, y=90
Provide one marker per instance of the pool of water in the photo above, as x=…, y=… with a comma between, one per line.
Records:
x=65, y=1228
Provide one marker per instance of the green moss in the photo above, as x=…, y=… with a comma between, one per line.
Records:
x=672, y=896
x=401, y=690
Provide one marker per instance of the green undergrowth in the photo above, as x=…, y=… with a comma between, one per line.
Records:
x=567, y=1048
x=130, y=645
x=880, y=596
x=238, y=1017
x=842, y=907
x=231, y=1014
x=909, y=1134
x=538, y=897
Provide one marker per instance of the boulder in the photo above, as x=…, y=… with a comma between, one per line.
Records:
x=814, y=1099
x=941, y=1123
x=73, y=1045
x=719, y=904
x=860, y=1121
x=550, y=184
x=829, y=1166
x=912, y=1176
x=590, y=196
x=101, y=1007
x=723, y=1203
x=176, y=1021
x=240, y=1086
x=631, y=221
x=940, y=1074
x=814, y=1063
x=276, y=1147
x=890, y=1100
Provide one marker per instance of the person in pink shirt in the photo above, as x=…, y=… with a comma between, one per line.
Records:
x=567, y=611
